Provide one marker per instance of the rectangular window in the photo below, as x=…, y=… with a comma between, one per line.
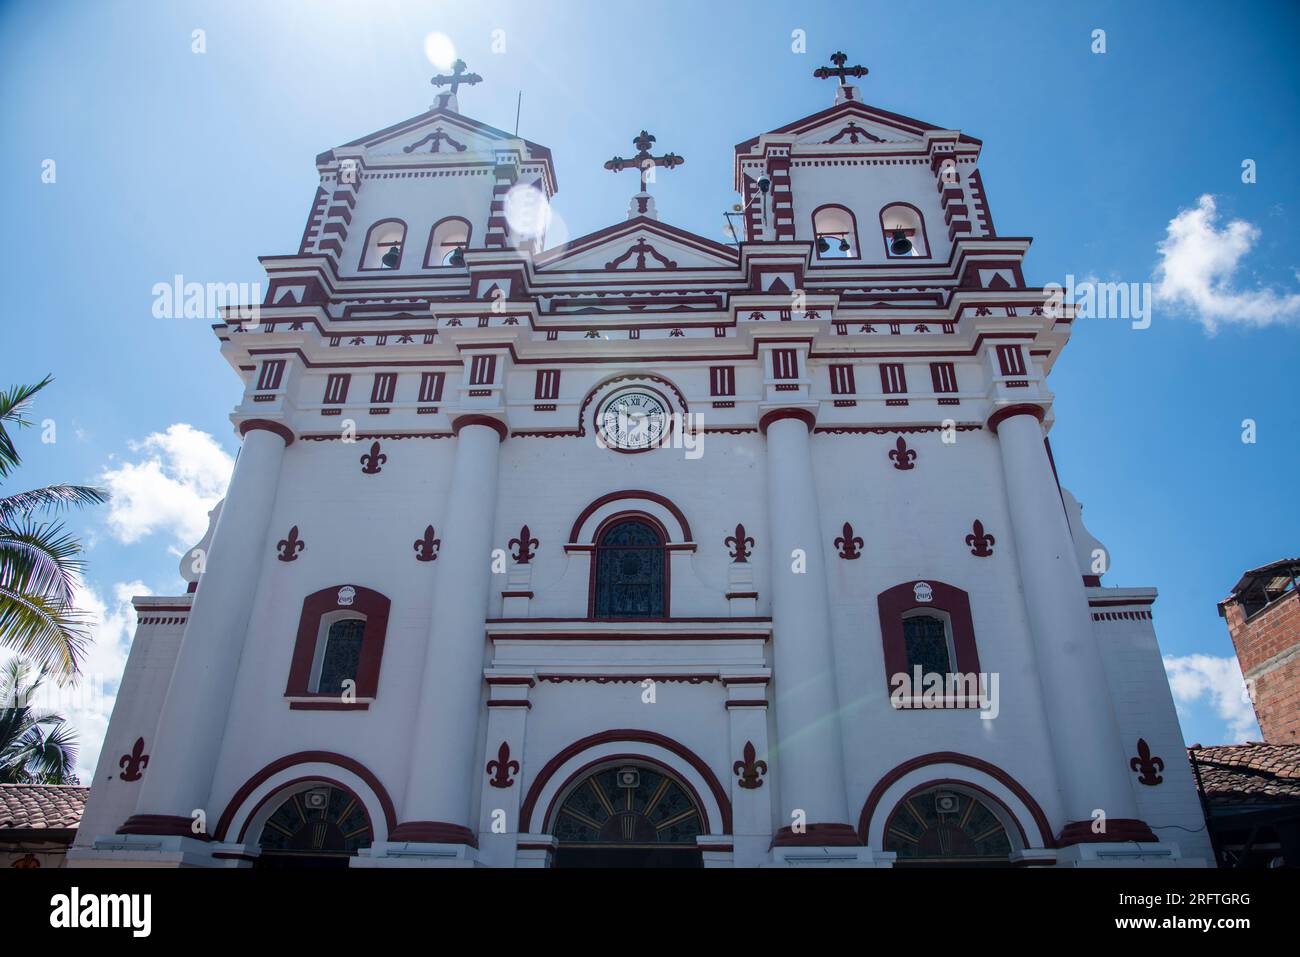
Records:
x=1011, y=360
x=722, y=380
x=431, y=386
x=482, y=370
x=271, y=374
x=943, y=376
x=842, y=382
x=785, y=364
x=336, y=388
x=548, y=385
x=892, y=378
x=384, y=387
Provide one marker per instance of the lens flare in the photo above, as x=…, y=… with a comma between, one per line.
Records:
x=440, y=50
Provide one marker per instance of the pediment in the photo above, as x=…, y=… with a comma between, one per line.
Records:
x=842, y=124
x=639, y=245
x=441, y=133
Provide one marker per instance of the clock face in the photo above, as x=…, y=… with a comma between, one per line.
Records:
x=633, y=421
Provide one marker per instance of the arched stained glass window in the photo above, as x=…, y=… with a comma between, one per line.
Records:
x=942, y=825
x=629, y=807
x=342, y=655
x=630, y=568
x=316, y=823
x=926, y=640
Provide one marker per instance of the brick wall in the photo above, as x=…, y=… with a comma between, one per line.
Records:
x=1268, y=646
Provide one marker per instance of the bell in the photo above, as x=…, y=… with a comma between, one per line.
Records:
x=844, y=245
x=822, y=244
x=457, y=257
x=901, y=245
x=392, y=257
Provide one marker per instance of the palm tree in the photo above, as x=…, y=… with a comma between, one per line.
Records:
x=39, y=570
x=36, y=747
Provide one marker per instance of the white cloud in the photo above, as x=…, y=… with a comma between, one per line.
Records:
x=178, y=479
x=88, y=704
x=1219, y=680
x=1198, y=268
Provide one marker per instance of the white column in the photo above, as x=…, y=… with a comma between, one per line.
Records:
x=1085, y=738
x=444, y=752
x=808, y=753
x=183, y=759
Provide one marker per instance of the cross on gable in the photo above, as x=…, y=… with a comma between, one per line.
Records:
x=643, y=161
x=839, y=70
x=457, y=79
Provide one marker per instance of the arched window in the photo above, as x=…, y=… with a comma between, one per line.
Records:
x=320, y=826
x=628, y=816
x=835, y=232
x=448, y=241
x=926, y=623
x=340, y=639
x=928, y=644
x=903, y=231
x=338, y=654
x=384, y=245
x=947, y=824
x=631, y=570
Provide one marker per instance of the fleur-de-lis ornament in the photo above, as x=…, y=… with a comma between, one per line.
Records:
x=290, y=547
x=133, y=764
x=502, y=767
x=981, y=543
x=740, y=545
x=373, y=461
x=849, y=544
x=426, y=546
x=902, y=456
x=1148, y=767
x=525, y=545
x=750, y=771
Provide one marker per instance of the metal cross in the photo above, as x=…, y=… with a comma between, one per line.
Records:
x=839, y=70
x=643, y=160
x=457, y=78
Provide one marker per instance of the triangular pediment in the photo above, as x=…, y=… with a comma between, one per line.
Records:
x=639, y=245
x=440, y=133
x=853, y=124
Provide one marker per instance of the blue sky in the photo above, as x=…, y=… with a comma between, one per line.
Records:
x=170, y=161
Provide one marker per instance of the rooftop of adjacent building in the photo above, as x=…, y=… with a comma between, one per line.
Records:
x=1247, y=774
x=1262, y=586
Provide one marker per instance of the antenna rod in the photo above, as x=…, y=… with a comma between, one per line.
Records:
x=518, y=103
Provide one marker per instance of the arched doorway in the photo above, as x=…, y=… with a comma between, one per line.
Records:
x=948, y=825
x=318, y=826
x=628, y=816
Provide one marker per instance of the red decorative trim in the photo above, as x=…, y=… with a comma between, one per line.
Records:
x=433, y=832
x=1007, y=411
x=894, y=602
x=1117, y=829
x=510, y=680
x=773, y=415
x=464, y=420
x=331, y=705
x=248, y=425
x=684, y=525
x=964, y=760
x=621, y=735
x=603, y=679
x=510, y=703
x=315, y=606
x=304, y=757
x=746, y=703
x=818, y=835
x=162, y=825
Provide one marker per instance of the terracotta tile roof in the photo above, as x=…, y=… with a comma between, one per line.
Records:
x=41, y=805
x=1249, y=773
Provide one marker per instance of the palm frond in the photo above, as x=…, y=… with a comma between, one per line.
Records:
x=51, y=498
x=40, y=560
x=49, y=752
x=13, y=408
x=50, y=632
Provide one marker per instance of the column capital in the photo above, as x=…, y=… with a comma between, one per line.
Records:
x=804, y=414
x=1002, y=413
x=491, y=422
x=267, y=425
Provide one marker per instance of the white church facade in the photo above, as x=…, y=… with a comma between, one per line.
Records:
x=647, y=549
